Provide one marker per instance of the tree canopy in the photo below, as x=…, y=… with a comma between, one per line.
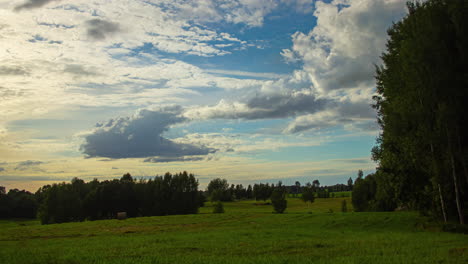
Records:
x=422, y=89
x=78, y=200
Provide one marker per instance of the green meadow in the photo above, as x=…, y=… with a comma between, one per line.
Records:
x=248, y=232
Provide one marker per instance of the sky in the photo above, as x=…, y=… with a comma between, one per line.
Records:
x=246, y=90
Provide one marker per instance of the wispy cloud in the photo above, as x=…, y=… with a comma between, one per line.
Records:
x=13, y=70
x=28, y=164
x=173, y=159
x=23, y=178
x=266, y=75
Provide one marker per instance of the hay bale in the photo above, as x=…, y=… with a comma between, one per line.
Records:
x=122, y=215
x=401, y=208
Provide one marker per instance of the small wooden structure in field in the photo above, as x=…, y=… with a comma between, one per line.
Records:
x=122, y=215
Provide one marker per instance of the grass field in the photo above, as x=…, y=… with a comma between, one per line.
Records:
x=246, y=233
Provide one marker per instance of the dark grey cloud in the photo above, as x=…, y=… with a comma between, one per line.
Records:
x=360, y=109
x=264, y=106
x=285, y=105
x=300, y=125
x=139, y=136
x=173, y=159
x=28, y=164
x=99, y=29
x=13, y=70
x=105, y=160
x=309, y=110
x=2, y=169
x=357, y=115
x=31, y=4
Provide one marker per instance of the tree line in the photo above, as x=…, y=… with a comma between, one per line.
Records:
x=162, y=195
x=219, y=190
x=79, y=200
x=422, y=90
x=17, y=204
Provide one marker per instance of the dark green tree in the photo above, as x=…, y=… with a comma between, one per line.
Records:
x=350, y=184
x=218, y=208
x=218, y=190
x=76, y=201
x=4, y=203
x=308, y=194
x=249, y=192
x=278, y=200
x=17, y=204
x=201, y=198
x=364, y=193
x=262, y=191
x=422, y=151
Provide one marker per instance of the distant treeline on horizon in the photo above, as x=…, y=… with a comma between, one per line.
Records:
x=162, y=195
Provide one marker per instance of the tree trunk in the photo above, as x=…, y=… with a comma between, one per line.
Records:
x=455, y=180
x=442, y=204
x=441, y=197
x=457, y=195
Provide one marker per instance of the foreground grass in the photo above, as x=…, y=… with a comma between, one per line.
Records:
x=246, y=233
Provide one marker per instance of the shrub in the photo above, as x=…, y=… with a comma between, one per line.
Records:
x=218, y=208
x=308, y=194
x=278, y=199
